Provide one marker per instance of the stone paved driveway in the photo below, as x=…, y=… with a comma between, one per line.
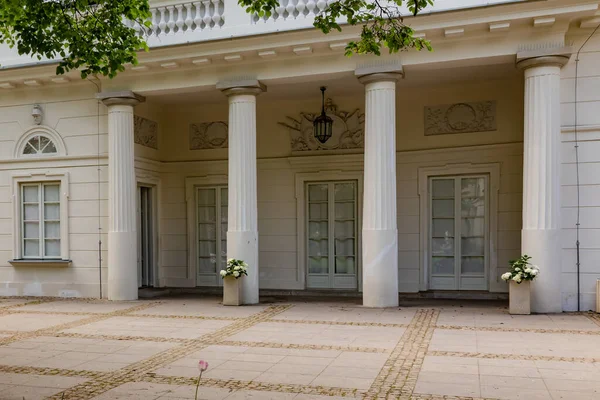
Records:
x=77, y=349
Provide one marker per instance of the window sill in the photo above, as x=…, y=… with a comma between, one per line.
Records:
x=39, y=263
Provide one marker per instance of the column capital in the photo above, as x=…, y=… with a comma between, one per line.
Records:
x=544, y=57
x=240, y=87
x=379, y=73
x=122, y=98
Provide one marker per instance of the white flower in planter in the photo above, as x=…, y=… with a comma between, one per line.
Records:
x=236, y=274
x=506, y=276
x=535, y=272
x=223, y=272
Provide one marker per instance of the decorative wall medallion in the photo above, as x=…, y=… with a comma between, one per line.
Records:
x=208, y=135
x=145, y=132
x=348, y=130
x=460, y=118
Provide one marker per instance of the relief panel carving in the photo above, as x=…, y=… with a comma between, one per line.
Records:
x=460, y=118
x=209, y=135
x=145, y=132
x=348, y=130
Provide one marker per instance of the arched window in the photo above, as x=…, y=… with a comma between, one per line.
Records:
x=39, y=144
x=40, y=141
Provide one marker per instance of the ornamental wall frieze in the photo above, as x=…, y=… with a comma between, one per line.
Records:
x=209, y=135
x=460, y=118
x=348, y=130
x=145, y=132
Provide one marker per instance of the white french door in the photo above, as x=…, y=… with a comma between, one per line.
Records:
x=145, y=232
x=458, y=232
x=211, y=234
x=332, y=240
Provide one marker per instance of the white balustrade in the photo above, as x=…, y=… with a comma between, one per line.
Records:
x=183, y=18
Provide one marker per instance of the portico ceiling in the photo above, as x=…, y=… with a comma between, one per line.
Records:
x=341, y=84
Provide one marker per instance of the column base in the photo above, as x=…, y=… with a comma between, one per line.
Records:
x=243, y=245
x=122, y=266
x=543, y=245
x=380, y=268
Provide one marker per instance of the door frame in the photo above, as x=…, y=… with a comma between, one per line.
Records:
x=153, y=183
x=191, y=185
x=453, y=170
x=301, y=205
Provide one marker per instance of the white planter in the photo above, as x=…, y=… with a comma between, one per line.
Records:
x=519, y=298
x=232, y=291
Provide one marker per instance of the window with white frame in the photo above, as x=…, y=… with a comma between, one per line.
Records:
x=38, y=145
x=40, y=220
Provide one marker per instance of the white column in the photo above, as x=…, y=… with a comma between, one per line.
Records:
x=242, y=233
x=379, y=231
x=122, y=239
x=540, y=237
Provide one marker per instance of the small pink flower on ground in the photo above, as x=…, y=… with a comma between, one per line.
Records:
x=202, y=365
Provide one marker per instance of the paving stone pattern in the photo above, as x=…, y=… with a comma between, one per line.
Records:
x=91, y=349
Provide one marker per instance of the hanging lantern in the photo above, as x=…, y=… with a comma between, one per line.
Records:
x=322, y=125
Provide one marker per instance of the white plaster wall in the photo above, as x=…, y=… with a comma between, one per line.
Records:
x=73, y=113
x=588, y=123
x=276, y=174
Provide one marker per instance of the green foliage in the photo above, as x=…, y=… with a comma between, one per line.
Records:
x=88, y=35
x=382, y=22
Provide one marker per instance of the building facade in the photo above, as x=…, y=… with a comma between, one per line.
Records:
x=441, y=168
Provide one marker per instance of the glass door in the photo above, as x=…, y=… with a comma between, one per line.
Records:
x=145, y=237
x=211, y=234
x=332, y=235
x=458, y=233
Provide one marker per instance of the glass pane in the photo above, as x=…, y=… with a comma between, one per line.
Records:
x=472, y=187
x=32, y=212
x=43, y=142
x=474, y=207
x=224, y=249
x=32, y=230
x=473, y=265
x=207, y=232
x=473, y=227
x=472, y=247
x=207, y=265
x=50, y=148
x=442, y=187
x=32, y=248
x=344, y=247
x=52, y=230
x=344, y=229
x=51, y=193
x=224, y=198
x=223, y=231
x=52, y=248
x=344, y=210
x=318, y=265
x=206, y=197
x=318, y=247
x=30, y=194
x=442, y=265
x=443, y=208
x=317, y=193
x=206, y=248
x=344, y=265
x=317, y=211
x=344, y=191
x=443, y=228
x=34, y=142
x=317, y=230
x=51, y=211
x=29, y=149
x=224, y=214
x=206, y=214
x=442, y=247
